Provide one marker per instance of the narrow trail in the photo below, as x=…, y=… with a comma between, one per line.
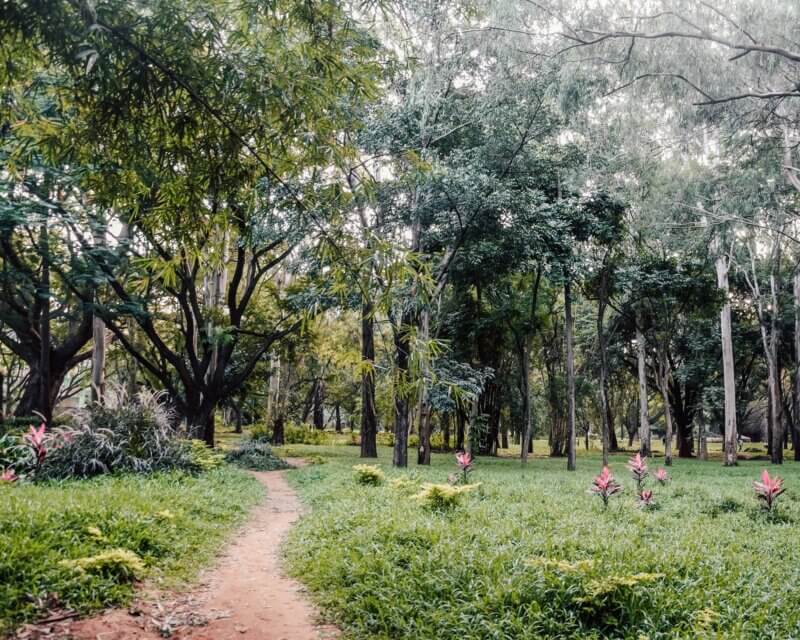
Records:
x=245, y=595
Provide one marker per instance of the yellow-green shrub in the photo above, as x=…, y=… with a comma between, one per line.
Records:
x=442, y=496
x=368, y=474
x=203, y=457
x=121, y=564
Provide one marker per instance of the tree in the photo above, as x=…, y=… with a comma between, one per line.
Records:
x=206, y=234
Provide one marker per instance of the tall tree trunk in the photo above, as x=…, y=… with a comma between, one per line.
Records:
x=644, y=418
x=607, y=428
x=319, y=405
x=525, y=389
x=731, y=441
x=98, y=359
x=401, y=400
x=98, y=336
x=796, y=386
x=337, y=412
x=613, y=444
x=424, y=452
x=461, y=420
x=45, y=404
x=775, y=391
x=369, y=421
x=664, y=378
x=568, y=332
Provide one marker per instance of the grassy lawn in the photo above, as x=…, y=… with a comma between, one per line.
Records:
x=712, y=564
x=173, y=521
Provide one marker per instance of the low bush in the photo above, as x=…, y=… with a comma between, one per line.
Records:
x=368, y=474
x=123, y=435
x=121, y=565
x=442, y=496
x=204, y=458
x=257, y=456
x=260, y=432
x=303, y=434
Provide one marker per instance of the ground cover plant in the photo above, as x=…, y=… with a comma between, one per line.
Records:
x=80, y=544
x=534, y=555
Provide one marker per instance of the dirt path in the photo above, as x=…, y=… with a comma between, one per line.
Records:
x=244, y=596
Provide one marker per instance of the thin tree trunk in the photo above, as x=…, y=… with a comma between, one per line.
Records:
x=607, y=428
x=424, y=453
x=664, y=377
x=98, y=359
x=527, y=426
x=319, y=405
x=45, y=400
x=369, y=421
x=644, y=418
x=731, y=442
x=796, y=386
x=777, y=417
x=401, y=402
x=568, y=331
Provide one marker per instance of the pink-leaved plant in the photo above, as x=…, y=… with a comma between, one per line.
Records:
x=661, y=475
x=35, y=439
x=638, y=468
x=8, y=476
x=605, y=486
x=769, y=489
x=464, y=462
x=645, y=499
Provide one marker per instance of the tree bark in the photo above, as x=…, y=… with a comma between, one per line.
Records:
x=45, y=391
x=568, y=332
x=424, y=452
x=319, y=405
x=664, y=377
x=401, y=402
x=796, y=386
x=98, y=359
x=731, y=442
x=527, y=425
x=607, y=428
x=644, y=418
x=369, y=421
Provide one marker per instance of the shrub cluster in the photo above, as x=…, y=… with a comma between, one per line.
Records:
x=257, y=456
x=368, y=474
x=129, y=435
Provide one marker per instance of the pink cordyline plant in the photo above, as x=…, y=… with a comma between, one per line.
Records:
x=645, y=498
x=35, y=440
x=8, y=476
x=605, y=486
x=464, y=462
x=638, y=468
x=768, y=489
x=661, y=475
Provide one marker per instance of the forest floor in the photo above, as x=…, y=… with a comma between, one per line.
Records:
x=531, y=554
x=245, y=594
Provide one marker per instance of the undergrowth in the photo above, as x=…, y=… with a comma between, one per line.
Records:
x=533, y=555
x=79, y=544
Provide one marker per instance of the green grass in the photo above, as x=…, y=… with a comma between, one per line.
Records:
x=175, y=522
x=384, y=567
